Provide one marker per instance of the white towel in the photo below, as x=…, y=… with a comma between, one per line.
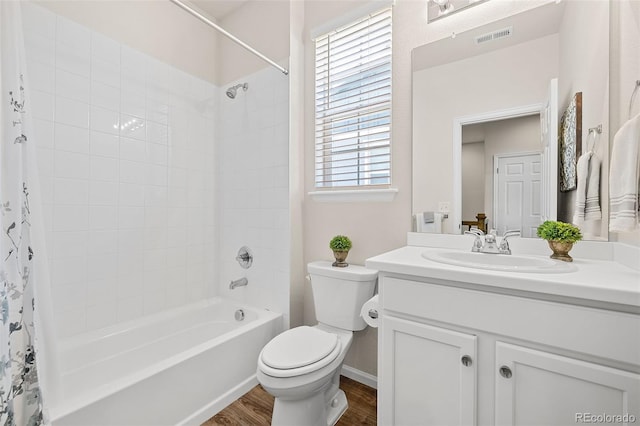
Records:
x=582, y=172
x=588, y=190
x=433, y=226
x=624, y=176
x=592, y=209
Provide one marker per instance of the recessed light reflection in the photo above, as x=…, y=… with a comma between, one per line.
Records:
x=131, y=125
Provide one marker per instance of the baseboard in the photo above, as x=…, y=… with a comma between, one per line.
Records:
x=360, y=376
x=214, y=407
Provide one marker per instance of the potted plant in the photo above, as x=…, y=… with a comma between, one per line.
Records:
x=340, y=246
x=561, y=237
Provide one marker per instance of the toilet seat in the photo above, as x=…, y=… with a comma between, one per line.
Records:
x=298, y=351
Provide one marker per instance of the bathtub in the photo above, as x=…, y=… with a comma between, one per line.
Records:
x=177, y=367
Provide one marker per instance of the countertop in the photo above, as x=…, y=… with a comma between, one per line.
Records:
x=598, y=283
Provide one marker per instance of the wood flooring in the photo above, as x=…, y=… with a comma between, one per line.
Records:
x=254, y=408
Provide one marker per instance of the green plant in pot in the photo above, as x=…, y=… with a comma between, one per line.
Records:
x=561, y=237
x=340, y=246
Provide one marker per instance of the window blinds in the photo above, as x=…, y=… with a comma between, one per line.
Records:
x=353, y=104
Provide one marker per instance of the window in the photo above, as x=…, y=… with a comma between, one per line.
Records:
x=353, y=104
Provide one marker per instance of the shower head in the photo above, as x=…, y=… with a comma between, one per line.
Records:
x=231, y=91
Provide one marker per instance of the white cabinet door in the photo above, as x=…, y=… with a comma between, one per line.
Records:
x=429, y=375
x=540, y=388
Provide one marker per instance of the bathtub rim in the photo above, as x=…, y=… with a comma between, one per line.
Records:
x=70, y=342
x=64, y=407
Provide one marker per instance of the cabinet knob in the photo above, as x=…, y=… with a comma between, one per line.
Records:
x=466, y=360
x=505, y=372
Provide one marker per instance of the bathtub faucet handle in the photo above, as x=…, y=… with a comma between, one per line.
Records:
x=244, y=257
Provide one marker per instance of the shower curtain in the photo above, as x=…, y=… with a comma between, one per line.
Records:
x=23, y=269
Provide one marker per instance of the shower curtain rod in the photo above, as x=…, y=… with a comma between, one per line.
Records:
x=228, y=34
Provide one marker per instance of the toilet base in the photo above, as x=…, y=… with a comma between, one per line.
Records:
x=317, y=410
x=337, y=407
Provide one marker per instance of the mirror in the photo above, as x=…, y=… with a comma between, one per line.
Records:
x=521, y=69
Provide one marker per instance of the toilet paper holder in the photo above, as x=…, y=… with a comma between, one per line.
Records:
x=370, y=312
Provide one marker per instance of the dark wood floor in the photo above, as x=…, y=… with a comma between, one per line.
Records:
x=254, y=408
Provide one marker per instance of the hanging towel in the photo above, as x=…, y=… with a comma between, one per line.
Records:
x=624, y=175
x=430, y=222
x=582, y=172
x=588, y=189
x=592, y=209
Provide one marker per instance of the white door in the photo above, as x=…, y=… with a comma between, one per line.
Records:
x=517, y=197
x=540, y=388
x=429, y=375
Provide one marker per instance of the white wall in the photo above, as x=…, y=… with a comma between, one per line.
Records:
x=584, y=67
x=263, y=25
x=253, y=191
x=157, y=28
x=256, y=203
x=125, y=150
x=473, y=178
x=505, y=78
x=297, y=115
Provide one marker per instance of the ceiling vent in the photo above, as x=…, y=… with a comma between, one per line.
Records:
x=495, y=35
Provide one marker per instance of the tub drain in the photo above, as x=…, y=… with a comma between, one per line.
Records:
x=239, y=315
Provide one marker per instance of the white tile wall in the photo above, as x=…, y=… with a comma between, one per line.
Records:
x=126, y=158
x=253, y=173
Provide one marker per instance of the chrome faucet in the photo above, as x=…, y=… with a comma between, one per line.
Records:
x=504, y=244
x=490, y=243
x=238, y=283
x=477, y=243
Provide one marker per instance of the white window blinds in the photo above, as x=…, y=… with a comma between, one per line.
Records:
x=353, y=104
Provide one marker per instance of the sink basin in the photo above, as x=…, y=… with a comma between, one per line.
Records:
x=498, y=262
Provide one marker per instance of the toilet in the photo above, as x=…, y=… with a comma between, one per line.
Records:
x=301, y=366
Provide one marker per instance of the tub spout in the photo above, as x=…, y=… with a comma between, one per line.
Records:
x=238, y=283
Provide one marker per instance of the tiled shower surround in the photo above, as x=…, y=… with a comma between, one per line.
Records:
x=253, y=193
x=127, y=150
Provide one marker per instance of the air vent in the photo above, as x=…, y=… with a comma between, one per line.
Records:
x=495, y=35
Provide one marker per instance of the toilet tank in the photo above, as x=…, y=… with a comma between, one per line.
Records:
x=339, y=293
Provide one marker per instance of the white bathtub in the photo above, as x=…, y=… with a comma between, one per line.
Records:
x=177, y=367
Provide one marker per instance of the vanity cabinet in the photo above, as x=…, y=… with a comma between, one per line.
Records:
x=456, y=354
x=538, y=387
x=433, y=373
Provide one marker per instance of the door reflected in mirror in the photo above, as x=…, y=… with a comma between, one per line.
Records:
x=502, y=175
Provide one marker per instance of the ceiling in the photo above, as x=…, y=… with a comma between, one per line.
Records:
x=218, y=9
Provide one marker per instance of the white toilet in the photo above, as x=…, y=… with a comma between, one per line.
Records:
x=301, y=367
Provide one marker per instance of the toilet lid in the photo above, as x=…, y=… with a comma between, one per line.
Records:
x=299, y=347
